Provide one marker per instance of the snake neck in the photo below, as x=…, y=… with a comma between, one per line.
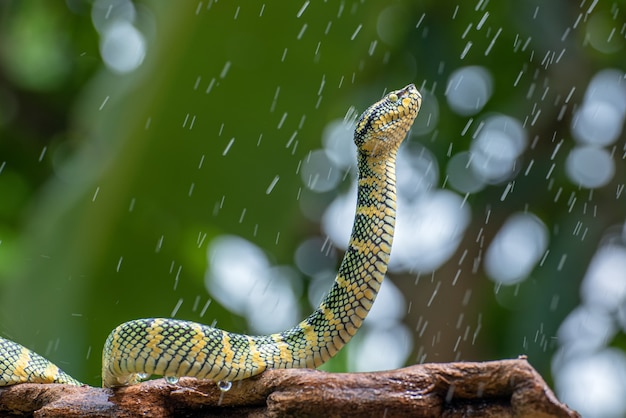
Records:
x=323, y=333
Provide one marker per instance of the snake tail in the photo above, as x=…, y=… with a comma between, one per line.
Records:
x=18, y=364
x=177, y=348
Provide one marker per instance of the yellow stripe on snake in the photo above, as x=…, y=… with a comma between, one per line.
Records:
x=175, y=348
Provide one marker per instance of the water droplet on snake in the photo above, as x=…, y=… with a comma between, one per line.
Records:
x=142, y=376
x=224, y=385
x=172, y=380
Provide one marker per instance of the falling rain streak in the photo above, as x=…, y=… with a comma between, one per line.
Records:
x=43, y=153
x=272, y=185
x=224, y=72
x=176, y=308
x=282, y=120
x=302, y=9
x=104, y=102
x=356, y=32
x=466, y=49
x=228, y=146
x=302, y=30
x=493, y=41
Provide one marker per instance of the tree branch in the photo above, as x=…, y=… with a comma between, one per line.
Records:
x=507, y=388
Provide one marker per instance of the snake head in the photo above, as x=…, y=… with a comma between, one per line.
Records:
x=384, y=125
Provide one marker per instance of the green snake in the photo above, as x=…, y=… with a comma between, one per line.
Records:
x=175, y=348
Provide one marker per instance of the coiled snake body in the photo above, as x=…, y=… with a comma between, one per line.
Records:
x=175, y=348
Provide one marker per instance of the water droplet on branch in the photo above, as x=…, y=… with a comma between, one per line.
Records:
x=172, y=380
x=224, y=385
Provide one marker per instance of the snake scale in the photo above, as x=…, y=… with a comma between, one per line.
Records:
x=174, y=348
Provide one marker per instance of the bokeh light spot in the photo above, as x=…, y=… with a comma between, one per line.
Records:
x=590, y=167
x=469, y=89
x=122, y=47
x=516, y=249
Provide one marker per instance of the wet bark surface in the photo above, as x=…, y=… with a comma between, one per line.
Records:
x=506, y=388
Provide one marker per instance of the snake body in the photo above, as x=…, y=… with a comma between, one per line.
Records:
x=174, y=348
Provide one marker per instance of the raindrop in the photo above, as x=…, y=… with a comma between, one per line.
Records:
x=272, y=185
x=303, y=8
x=230, y=144
x=43, y=153
x=493, y=41
x=356, y=32
x=172, y=380
x=224, y=72
x=482, y=21
x=282, y=120
x=178, y=304
x=224, y=385
x=301, y=33
x=205, y=307
x=142, y=376
x=104, y=102
x=466, y=49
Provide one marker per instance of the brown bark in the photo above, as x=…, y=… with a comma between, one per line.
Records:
x=507, y=388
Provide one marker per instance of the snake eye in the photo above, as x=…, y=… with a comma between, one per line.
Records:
x=393, y=97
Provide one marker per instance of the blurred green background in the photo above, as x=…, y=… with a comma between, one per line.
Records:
x=113, y=183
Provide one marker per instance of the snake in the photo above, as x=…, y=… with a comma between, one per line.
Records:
x=174, y=348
